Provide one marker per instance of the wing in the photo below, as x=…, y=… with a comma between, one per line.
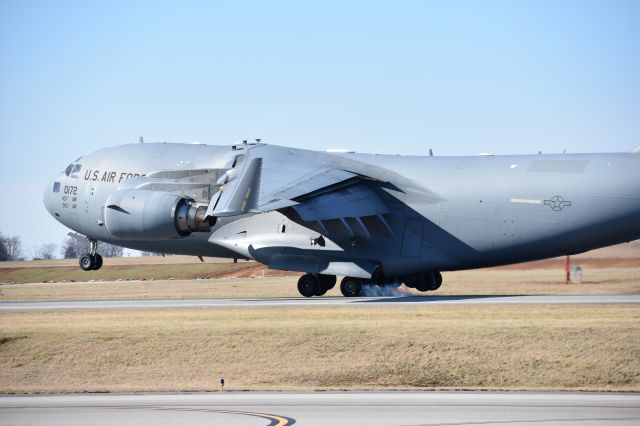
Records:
x=269, y=178
x=331, y=191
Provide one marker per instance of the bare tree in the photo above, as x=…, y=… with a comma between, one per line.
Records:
x=4, y=255
x=45, y=251
x=75, y=247
x=149, y=253
x=110, y=250
x=14, y=248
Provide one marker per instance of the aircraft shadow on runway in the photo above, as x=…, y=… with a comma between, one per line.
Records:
x=436, y=299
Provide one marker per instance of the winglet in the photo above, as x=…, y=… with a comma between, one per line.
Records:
x=242, y=197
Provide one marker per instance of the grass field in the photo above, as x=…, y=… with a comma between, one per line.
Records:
x=61, y=272
x=488, y=347
x=476, y=282
x=594, y=347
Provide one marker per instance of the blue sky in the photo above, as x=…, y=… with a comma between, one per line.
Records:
x=460, y=77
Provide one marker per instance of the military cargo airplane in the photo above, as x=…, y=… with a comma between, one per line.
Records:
x=373, y=219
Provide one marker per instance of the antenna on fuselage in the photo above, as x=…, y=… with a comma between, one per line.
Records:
x=141, y=139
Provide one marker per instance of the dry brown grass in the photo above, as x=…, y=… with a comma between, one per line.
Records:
x=159, y=289
x=487, y=281
x=116, y=261
x=185, y=271
x=623, y=256
x=462, y=347
x=540, y=281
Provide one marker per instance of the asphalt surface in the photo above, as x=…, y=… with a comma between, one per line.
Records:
x=319, y=301
x=374, y=408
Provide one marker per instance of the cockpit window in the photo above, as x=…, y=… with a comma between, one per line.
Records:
x=73, y=170
x=76, y=169
x=56, y=186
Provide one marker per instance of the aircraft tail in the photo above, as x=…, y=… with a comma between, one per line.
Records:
x=635, y=150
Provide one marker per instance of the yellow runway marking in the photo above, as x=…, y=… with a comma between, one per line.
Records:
x=279, y=421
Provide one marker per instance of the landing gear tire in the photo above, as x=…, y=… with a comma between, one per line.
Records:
x=91, y=261
x=327, y=282
x=97, y=262
x=321, y=291
x=438, y=280
x=427, y=281
x=351, y=287
x=87, y=262
x=308, y=285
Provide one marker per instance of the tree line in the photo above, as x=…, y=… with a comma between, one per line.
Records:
x=11, y=249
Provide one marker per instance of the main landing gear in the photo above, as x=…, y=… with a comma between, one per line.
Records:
x=426, y=281
x=352, y=287
x=317, y=284
x=91, y=261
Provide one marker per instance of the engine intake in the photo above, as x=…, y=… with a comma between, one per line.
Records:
x=138, y=214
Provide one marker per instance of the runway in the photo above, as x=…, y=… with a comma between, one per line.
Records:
x=374, y=408
x=318, y=301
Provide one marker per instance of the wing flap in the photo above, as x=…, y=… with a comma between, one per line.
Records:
x=352, y=201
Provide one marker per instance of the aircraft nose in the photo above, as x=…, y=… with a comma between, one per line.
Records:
x=48, y=195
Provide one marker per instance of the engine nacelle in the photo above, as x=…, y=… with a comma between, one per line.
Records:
x=138, y=214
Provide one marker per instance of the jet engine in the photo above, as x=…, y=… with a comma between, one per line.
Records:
x=138, y=214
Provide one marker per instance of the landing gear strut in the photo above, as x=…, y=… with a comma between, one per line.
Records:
x=91, y=261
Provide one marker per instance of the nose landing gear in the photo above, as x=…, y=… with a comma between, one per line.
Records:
x=91, y=261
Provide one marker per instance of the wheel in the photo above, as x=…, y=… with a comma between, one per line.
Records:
x=410, y=280
x=327, y=281
x=425, y=281
x=86, y=262
x=322, y=290
x=308, y=285
x=351, y=287
x=438, y=277
x=97, y=262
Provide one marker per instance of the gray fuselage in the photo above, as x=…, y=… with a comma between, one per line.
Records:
x=481, y=211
